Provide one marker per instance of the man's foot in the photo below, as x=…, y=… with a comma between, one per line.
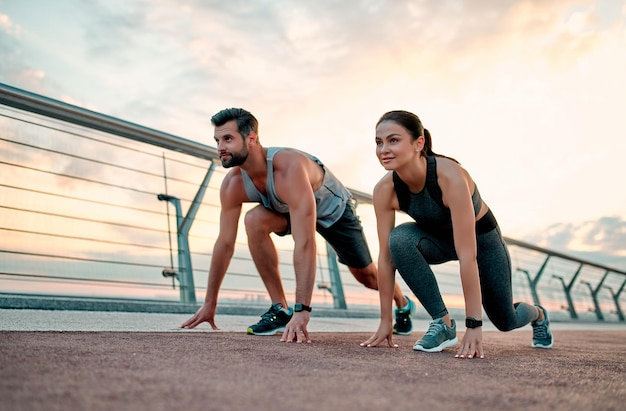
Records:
x=272, y=322
x=404, y=325
x=438, y=337
x=542, y=337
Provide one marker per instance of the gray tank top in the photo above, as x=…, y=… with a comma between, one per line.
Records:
x=331, y=198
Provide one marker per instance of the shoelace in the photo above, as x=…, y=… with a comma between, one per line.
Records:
x=268, y=316
x=540, y=331
x=434, y=328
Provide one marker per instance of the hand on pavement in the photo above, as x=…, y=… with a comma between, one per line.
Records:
x=205, y=313
x=295, y=330
x=472, y=344
x=384, y=332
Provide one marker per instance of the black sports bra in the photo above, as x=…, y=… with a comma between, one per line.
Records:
x=427, y=207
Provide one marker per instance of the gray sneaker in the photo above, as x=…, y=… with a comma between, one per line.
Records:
x=438, y=337
x=542, y=337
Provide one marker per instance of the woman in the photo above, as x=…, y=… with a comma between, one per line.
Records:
x=451, y=223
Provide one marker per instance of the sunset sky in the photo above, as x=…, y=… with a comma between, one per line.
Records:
x=529, y=96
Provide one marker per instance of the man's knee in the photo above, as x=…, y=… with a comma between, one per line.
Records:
x=257, y=221
x=260, y=222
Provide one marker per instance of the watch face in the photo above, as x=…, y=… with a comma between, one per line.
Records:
x=473, y=323
x=301, y=307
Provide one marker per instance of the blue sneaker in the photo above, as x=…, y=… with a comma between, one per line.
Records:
x=542, y=337
x=404, y=325
x=438, y=337
x=272, y=322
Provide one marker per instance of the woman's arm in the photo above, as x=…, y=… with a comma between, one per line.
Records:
x=385, y=205
x=456, y=186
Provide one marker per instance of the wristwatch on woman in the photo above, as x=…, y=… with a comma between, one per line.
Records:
x=471, y=322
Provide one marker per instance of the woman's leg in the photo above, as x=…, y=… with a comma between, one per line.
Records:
x=412, y=250
x=494, y=267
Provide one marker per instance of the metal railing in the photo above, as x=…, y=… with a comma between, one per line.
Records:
x=84, y=203
x=117, y=157
x=585, y=282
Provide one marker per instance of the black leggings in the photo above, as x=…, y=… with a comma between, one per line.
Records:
x=413, y=250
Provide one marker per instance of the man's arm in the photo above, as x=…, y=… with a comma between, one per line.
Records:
x=231, y=200
x=295, y=175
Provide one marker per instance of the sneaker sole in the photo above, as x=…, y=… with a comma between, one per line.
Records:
x=542, y=345
x=270, y=332
x=440, y=347
x=403, y=332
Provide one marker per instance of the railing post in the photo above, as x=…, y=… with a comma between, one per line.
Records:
x=336, y=287
x=568, y=291
x=533, y=282
x=185, y=275
x=618, y=309
x=594, y=295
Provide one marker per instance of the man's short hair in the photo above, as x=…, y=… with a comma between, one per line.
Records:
x=246, y=122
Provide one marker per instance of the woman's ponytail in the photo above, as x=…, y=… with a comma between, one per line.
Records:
x=427, y=150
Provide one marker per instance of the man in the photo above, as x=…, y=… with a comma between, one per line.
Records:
x=298, y=196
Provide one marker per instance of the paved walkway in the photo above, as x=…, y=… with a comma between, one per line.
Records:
x=71, y=360
x=65, y=320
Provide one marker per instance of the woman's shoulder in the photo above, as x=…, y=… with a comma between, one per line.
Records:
x=384, y=189
x=450, y=172
x=449, y=167
x=386, y=181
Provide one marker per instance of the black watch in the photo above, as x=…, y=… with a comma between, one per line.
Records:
x=301, y=307
x=472, y=322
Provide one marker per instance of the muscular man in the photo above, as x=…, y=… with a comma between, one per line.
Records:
x=298, y=196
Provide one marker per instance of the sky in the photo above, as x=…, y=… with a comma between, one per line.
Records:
x=528, y=95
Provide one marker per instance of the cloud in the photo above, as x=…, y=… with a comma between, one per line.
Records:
x=10, y=66
x=496, y=80
x=8, y=27
x=599, y=241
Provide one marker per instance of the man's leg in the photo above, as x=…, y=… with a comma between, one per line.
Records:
x=368, y=276
x=259, y=223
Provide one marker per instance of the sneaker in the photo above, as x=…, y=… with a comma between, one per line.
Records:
x=404, y=325
x=272, y=322
x=542, y=337
x=438, y=337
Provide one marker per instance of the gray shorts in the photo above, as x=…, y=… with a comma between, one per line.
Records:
x=346, y=237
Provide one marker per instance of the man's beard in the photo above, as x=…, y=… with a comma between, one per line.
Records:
x=236, y=159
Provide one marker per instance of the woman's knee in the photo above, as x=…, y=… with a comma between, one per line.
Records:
x=504, y=320
x=504, y=325
x=400, y=237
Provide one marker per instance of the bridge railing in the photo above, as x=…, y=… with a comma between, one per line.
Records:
x=80, y=214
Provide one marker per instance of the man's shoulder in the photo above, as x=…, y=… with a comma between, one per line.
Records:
x=232, y=190
x=233, y=181
x=287, y=152
x=285, y=156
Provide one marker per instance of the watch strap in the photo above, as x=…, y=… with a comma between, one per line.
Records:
x=301, y=307
x=471, y=322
